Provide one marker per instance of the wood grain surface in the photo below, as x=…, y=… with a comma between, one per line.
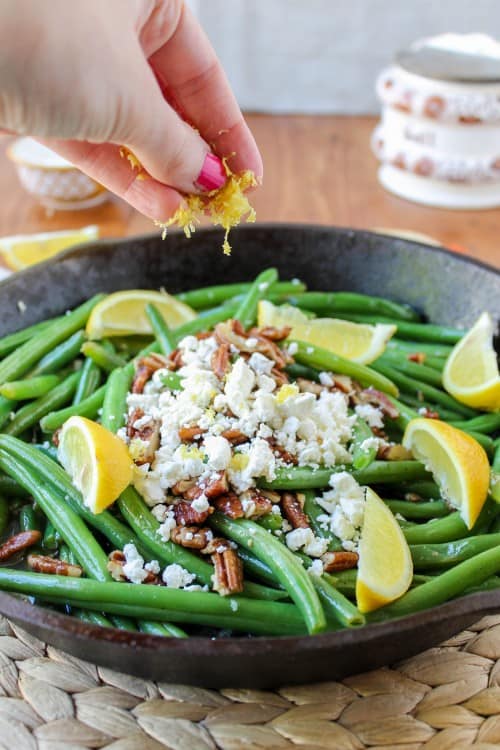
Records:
x=318, y=169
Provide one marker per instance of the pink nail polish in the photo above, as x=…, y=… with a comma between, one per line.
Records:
x=212, y=175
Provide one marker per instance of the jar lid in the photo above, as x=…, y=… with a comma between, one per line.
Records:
x=466, y=58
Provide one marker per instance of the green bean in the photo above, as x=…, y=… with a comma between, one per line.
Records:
x=282, y=562
x=14, y=340
x=256, y=567
x=7, y=407
x=484, y=441
x=92, y=618
x=4, y=514
x=21, y=390
x=413, y=331
x=410, y=385
x=159, y=602
x=321, y=359
x=124, y=623
x=449, y=528
x=59, y=357
x=486, y=423
x=424, y=488
x=164, y=629
x=412, y=369
x=362, y=456
x=33, y=411
x=301, y=371
x=162, y=332
x=343, y=580
x=336, y=605
x=66, y=554
x=445, y=586
x=18, y=362
x=210, y=296
x=51, y=537
x=71, y=527
x=271, y=521
x=89, y=381
x=106, y=360
x=437, y=363
x=334, y=302
x=495, y=474
x=89, y=407
x=205, y=321
x=247, y=309
x=10, y=488
x=313, y=511
x=419, y=510
x=47, y=471
x=415, y=402
x=378, y=472
x=415, y=347
x=115, y=400
x=431, y=556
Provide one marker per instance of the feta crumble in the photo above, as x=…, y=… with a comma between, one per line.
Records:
x=176, y=577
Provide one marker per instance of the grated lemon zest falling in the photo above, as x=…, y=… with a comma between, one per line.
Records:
x=225, y=207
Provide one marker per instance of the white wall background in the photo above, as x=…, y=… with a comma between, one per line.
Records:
x=323, y=55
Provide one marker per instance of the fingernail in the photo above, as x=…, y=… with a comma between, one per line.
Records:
x=212, y=175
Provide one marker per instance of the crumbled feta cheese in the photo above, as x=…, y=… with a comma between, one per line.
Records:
x=369, y=443
x=293, y=348
x=167, y=526
x=370, y=414
x=153, y=567
x=233, y=604
x=344, y=505
x=316, y=568
x=260, y=364
x=218, y=452
x=326, y=379
x=176, y=577
x=200, y=504
x=133, y=567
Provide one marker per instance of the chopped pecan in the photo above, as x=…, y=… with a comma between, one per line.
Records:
x=203, y=335
x=45, y=564
x=271, y=495
x=395, y=452
x=429, y=413
x=193, y=492
x=187, y=434
x=271, y=332
x=116, y=561
x=191, y=537
x=372, y=396
x=18, y=542
x=230, y=505
x=235, y=437
x=228, y=571
x=145, y=367
x=186, y=515
x=413, y=497
x=175, y=360
x=216, y=485
x=309, y=386
x=418, y=357
x=280, y=452
x=342, y=560
x=280, y=376
x=148, y=434
x=182, y=486
x=292, y=509
x=55, y=437
x=220, y=361
x=343, y=383
x=255, y=504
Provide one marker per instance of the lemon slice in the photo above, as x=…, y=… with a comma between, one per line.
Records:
x=355, y=341
x=97, y=461
x=458, y=464
x=471, y=370
x=123, y=313
x=385, y=567
x=23, y=250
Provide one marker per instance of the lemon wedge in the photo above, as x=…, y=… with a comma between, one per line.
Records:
x=22, y=250
x=471, y=370
x=458, y=464
x=97, y=461
x=385, y=567
x=123, y=313
x=358, y=342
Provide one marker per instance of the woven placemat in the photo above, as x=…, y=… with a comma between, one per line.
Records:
x=447, y=698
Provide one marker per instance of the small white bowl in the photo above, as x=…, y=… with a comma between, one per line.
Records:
x=52, y=180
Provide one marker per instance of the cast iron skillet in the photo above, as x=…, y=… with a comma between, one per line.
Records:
x=450, y=289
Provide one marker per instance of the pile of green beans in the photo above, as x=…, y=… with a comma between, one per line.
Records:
x=50, y=372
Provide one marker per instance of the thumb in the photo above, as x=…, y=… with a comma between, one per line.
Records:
x=168, y=148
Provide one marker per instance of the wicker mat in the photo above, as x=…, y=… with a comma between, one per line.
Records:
x=447, y=698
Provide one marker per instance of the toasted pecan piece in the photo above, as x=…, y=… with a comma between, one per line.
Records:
x=175, y=360
x=216, y=485
x=228, y=570
x=395, y=452
x=45, y=564
x=377, y=398
x=259, y=504
x=418, y=357
x=309, y=386
x=186, y=515
x=271, y=332
x=148, y=434
x=280, y=452
x=235, y=437
x=191, y=537
x=18, y=542
x=187, y=434
x=116, y=561
x=292, y=510
x=145, y=367
x=341, y=560
x=230, y=505
x=220, y=361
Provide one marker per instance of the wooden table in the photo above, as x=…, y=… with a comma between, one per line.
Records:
x=317, y=169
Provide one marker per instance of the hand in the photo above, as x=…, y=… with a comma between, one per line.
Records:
x=88, y=76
